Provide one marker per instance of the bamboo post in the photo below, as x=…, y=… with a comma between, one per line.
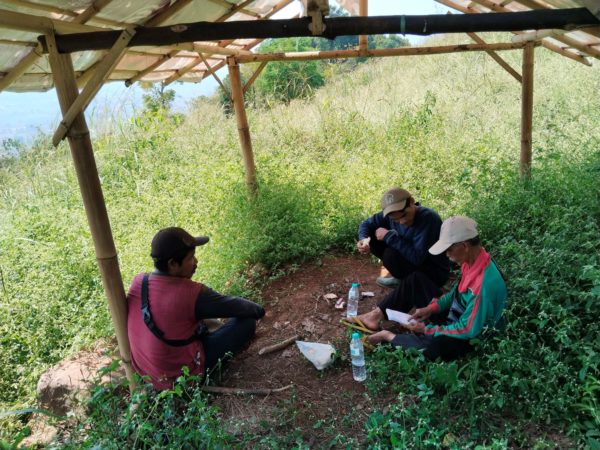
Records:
x=93, y=199
x=526, y=109
x=242, y=123
x=363, y=40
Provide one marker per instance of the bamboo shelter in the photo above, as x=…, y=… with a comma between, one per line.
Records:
x=76, y=47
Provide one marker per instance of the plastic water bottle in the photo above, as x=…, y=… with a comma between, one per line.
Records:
x=357, y=352
x=353, y=297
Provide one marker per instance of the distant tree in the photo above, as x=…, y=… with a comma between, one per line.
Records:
x=157, y=98
x=285, y=81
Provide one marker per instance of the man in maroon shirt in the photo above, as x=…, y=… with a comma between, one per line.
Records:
x=166, y=311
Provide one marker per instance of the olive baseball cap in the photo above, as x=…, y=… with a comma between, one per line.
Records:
x=394, y=200
x=454, y=229
x=172, y=241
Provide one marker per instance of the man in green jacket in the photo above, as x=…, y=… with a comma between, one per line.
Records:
x=443, y=328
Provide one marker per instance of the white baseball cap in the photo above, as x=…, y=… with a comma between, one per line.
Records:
x=454, y=229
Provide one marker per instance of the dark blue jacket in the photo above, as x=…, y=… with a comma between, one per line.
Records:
x=412, y=242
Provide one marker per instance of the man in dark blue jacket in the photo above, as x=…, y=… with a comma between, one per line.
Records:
x=400, y=235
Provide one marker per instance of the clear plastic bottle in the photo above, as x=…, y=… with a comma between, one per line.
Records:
x=357, y=352
x=353, y=297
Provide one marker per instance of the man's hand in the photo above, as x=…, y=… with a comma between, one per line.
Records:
x=422, y=313
x=363, y=246
x=380, y=233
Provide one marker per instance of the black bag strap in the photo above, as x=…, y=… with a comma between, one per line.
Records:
x=147, y=315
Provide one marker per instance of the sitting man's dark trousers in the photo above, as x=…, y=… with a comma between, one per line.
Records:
x=444, y=347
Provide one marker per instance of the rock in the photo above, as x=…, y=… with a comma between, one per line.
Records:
x=309, y=325
x=61, y=387
x=42, y=433
x=330, y=296
x=367, y=294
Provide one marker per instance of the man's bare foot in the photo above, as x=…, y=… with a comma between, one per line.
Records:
x=371, y=319
x=381, y=336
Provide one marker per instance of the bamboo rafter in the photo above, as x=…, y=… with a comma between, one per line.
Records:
x=66, y=12
x=190, y=67
x=23, y=65
x=534, y=4
x=190, y=46
x=545, y=42
x=254, y=76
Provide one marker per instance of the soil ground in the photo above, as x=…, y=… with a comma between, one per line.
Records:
x=296, y=305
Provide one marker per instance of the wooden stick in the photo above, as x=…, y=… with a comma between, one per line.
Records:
x=244, y=391
x=526, y=110
x=215, y=76
x=93, y=201
x=281, y=345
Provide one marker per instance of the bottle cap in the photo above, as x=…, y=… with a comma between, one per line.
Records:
x=355, y=335
x=354, y=284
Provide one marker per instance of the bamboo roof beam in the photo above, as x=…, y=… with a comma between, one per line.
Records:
x=545, y=43
x=254, y=76
x=240, y=9
x=403, y=51
x=42, y=25
x=19, y=43
x=101, y=74
x=191, y=46
x=536, y=5
x=558, y=35
x=336, y=26
x=282, y=4
x=23, y=65
x=150, y=68
x=66, y=12
x=497, y=58
x=165, y=15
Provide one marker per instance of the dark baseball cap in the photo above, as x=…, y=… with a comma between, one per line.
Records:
x=173, y=241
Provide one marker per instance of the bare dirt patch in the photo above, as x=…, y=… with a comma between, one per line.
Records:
x=322, y=403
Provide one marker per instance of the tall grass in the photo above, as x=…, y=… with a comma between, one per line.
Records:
x=444, y=127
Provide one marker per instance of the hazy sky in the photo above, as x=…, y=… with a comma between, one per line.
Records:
x=22, y=115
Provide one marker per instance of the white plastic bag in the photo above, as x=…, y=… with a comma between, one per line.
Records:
x=321, y=355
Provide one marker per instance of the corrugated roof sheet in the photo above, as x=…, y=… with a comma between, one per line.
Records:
x=182, y=62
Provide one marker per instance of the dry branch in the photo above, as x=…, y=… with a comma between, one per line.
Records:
x=244, y=391
x=279, y=346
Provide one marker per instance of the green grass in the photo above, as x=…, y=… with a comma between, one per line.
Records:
x=444, y=127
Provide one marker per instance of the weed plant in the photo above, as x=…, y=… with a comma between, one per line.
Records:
x=444, y=127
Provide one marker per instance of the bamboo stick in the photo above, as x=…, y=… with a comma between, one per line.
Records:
x=37, y=24
x=101, y=73
x=497, y=58
x=279, y=346
x=545, y=43
x=363, y=10
x=403, y=51
x=254, y=76
x=526, y=110
x=244, y=391
x=242, y=124
x=215, y=76
x=93, y=200
x=36, y=54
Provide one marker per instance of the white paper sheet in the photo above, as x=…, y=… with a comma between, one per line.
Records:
x=400, y=317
